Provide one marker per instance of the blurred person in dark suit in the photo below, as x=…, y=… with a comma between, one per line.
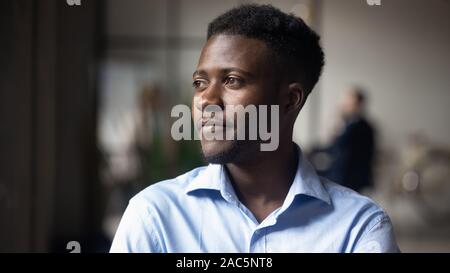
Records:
x=352, y=149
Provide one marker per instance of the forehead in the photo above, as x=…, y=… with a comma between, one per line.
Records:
x=222, y=51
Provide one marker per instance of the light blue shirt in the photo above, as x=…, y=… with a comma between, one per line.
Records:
x=199, y=212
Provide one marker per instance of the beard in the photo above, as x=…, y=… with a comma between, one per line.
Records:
x=234, y=152
x=225, y=156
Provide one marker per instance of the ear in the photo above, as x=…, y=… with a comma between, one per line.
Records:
x=296, y=97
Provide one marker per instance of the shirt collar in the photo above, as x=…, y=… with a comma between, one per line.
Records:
x=306, y=182
x=210, y=178
x=213, y=177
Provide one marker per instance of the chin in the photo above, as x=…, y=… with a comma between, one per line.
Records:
x=229, y=151
x=221, y=152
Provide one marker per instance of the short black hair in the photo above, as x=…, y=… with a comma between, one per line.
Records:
x=296, y=44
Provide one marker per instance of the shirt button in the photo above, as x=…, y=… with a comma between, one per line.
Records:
x=257, y=232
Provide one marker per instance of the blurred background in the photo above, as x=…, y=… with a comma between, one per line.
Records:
x=86, y=89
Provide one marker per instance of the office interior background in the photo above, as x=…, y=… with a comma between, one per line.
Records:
x=86, y=91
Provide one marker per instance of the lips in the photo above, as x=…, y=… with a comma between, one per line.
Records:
x=210, y=122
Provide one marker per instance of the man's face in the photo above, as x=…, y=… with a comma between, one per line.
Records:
x=232, y=70
x=350, y=104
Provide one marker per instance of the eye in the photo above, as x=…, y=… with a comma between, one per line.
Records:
x=234, y=82
x=199, y=84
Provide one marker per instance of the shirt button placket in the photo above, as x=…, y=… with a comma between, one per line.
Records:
x=257, y=242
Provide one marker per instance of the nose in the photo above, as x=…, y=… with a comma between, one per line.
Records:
x=210, y=96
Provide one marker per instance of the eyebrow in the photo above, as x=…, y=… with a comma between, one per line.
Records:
x=223, y=71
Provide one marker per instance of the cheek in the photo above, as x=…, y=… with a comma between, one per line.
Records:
x=244, y=97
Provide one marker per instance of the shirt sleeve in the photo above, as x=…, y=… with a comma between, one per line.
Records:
x=135, y=233
x=378, y=238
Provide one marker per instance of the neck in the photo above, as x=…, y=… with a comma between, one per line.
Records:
x=266, y=179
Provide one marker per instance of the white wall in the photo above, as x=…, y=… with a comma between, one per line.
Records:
x=400, y=52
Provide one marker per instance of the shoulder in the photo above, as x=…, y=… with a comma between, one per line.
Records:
x=357, y=206
x=368, y=227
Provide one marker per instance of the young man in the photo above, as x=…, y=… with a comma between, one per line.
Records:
x=249, y=200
